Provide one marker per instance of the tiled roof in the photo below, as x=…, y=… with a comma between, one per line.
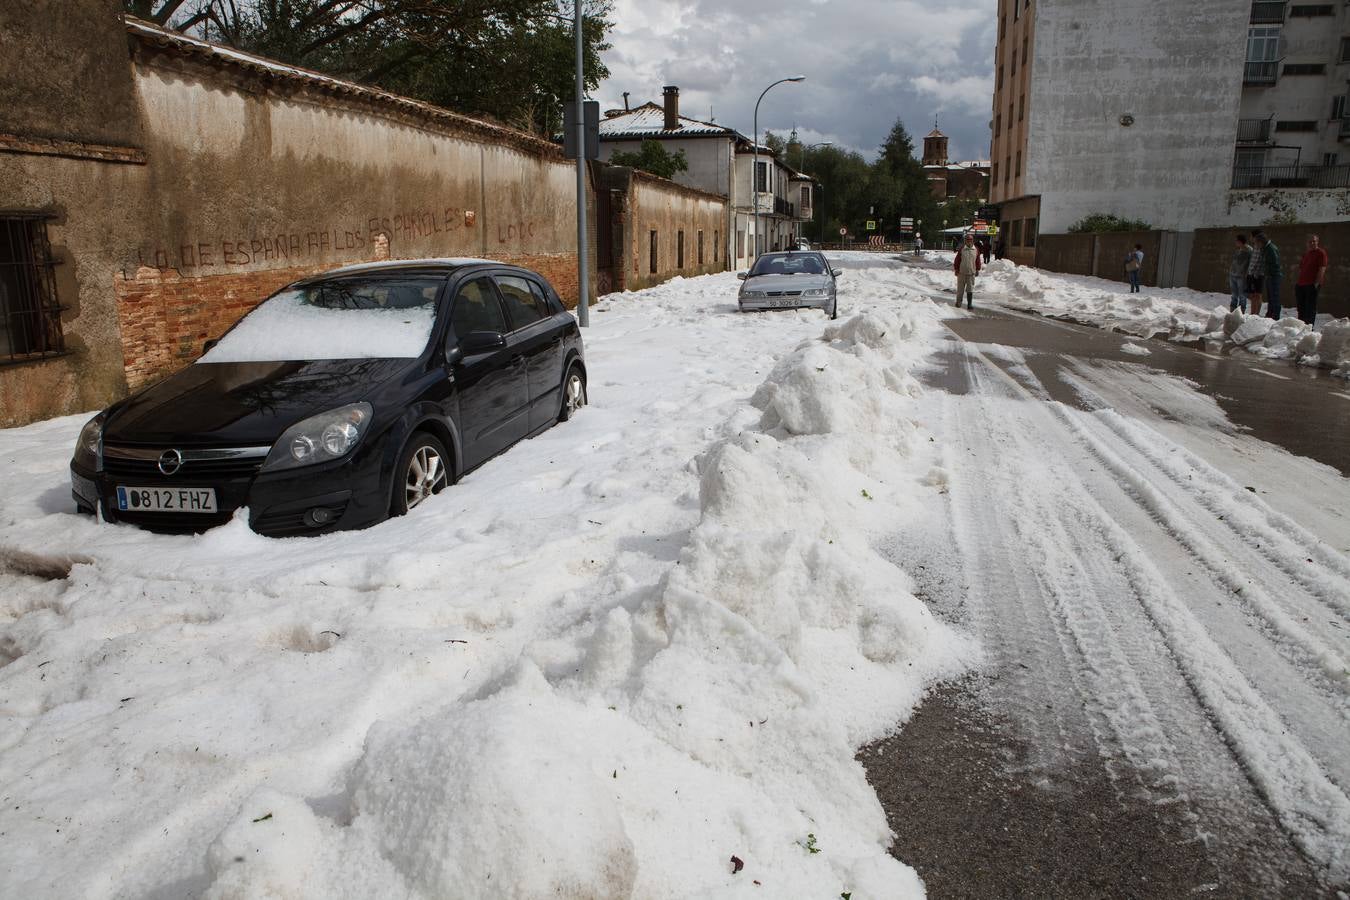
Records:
x=934, y=133
x=649, y=120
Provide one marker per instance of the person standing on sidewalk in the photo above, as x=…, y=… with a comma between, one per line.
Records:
x=1237, y=274
x=1256, y=275
x=918, y=244
x=1134, y=261
x=1312, y=271
x=966, y=265
x=1271, y=273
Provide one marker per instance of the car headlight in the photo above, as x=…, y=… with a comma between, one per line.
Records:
x=89, y=445
x=318, y=439
x=752, y=295
x=816, y=292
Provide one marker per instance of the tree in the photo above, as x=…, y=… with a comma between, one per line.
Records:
x=775, y=143
x=511, y=60
x=653, y=158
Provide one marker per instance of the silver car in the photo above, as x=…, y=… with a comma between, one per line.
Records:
x=791, y=280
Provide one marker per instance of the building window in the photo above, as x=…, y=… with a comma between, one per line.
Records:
x=1024, y=52
x=1263, y=51
x=1007, y=170
x=1002, y=27
x=1029, y=236
x=740, y=244
x=1021, y=107
x=1012, y=67
x=999, y=86
x=762, y=177
x=679, y=249
x=998, y=123
x=700, y=246
x=806, y=199
x=1308, y=11
x=993, y=174
x=30, y=316
x=715, y=242
x=1017, y=10
x=1345, y=51
x=1291, y=125
x=651, y=267
x=1017, y=233
x=1338, y=107
x=1330, y=159
x=1305, y=69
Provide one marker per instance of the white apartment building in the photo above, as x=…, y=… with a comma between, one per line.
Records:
x=1206, y=113
x=720, y=160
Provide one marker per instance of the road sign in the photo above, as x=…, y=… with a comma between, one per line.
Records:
x=591, y=115
x=906, y=222
x=871, y=225
x=843, y=231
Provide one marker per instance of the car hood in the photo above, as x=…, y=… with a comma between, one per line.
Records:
x=244, y=403
x=786, y=282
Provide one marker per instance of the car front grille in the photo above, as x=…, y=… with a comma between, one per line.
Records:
x=197, y=465
x=783, y=293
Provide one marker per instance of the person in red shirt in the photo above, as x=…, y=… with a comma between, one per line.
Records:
x=1312, y=271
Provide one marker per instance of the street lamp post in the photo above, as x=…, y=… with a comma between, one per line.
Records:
x=754, y=168
x=801, y=164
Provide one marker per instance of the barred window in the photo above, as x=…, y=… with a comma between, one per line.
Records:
x=30, y=315
x=1310, y=10
x=1299, y=125
x=1304, y=69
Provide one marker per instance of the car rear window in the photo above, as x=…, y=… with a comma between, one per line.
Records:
x=375, y=316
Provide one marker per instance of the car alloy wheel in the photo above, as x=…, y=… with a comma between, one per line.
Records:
x=424, y=471
x=574, y=393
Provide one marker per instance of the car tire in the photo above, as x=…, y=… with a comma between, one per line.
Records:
x=573, y=392
x=423, y=469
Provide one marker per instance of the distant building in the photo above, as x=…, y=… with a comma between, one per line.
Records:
x=1154, y=111
x=964, y=180
x=720, y=159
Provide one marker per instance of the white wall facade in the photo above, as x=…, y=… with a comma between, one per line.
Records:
x=1174, y=69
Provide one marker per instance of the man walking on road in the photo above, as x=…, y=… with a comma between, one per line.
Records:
x=1312, y=270
x=1271, y=273
x=966, y=265
x=1237, y=274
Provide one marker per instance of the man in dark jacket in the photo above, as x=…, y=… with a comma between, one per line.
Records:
x=1271, y=273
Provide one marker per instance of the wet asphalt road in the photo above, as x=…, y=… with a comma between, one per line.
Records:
x=975, y=804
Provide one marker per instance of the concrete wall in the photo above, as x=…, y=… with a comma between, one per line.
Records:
x=1102, y=255
x=1175, y=69
x=1213, y=249
x=1071, y=254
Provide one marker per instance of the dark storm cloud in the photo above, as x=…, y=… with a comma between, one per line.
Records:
x=867, y=63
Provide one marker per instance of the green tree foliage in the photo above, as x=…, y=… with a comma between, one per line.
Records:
x=892, y=188
x=653, y=158
x=511, y=60
x=1100, y=222
x=775, y=143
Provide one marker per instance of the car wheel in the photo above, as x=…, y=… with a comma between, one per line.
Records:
x=573, y=393
x=423, y=470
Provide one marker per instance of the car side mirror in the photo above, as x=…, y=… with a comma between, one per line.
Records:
x=206, y=348
x=482, y=341
x=742, y=275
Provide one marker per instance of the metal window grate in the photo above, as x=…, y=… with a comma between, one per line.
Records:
x=1267, y=11
x=30, y=316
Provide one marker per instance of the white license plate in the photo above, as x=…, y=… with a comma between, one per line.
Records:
x=162, y=499
x=783, y=304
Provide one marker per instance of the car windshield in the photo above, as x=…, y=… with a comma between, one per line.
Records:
x=788, y=264
x=376, y=316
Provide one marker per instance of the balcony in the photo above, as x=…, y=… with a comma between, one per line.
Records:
x=1343, y=132
x=1261, y=73
x=1267, y=12
x=1295, y=176
x=782, y=207
x=1253, y=131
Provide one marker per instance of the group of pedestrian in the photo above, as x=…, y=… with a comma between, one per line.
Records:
x=1255, y=273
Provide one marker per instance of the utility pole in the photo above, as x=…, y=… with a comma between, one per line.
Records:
x=583, y=281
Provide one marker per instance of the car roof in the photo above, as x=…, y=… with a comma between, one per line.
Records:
x=445, y=264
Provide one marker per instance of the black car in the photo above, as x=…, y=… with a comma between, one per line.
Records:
x=340, y=400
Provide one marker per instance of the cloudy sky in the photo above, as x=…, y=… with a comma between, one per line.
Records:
x=866, y=62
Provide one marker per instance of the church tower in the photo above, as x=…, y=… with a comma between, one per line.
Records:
x=935, y=148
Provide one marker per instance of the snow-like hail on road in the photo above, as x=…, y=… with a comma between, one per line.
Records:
x=652, y=639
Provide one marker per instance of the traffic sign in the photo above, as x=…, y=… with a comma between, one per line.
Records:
x=843, y=231
x=871, y=225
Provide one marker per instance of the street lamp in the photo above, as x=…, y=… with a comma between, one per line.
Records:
x=754, y=168
x=801, y=152
x=801, y=164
